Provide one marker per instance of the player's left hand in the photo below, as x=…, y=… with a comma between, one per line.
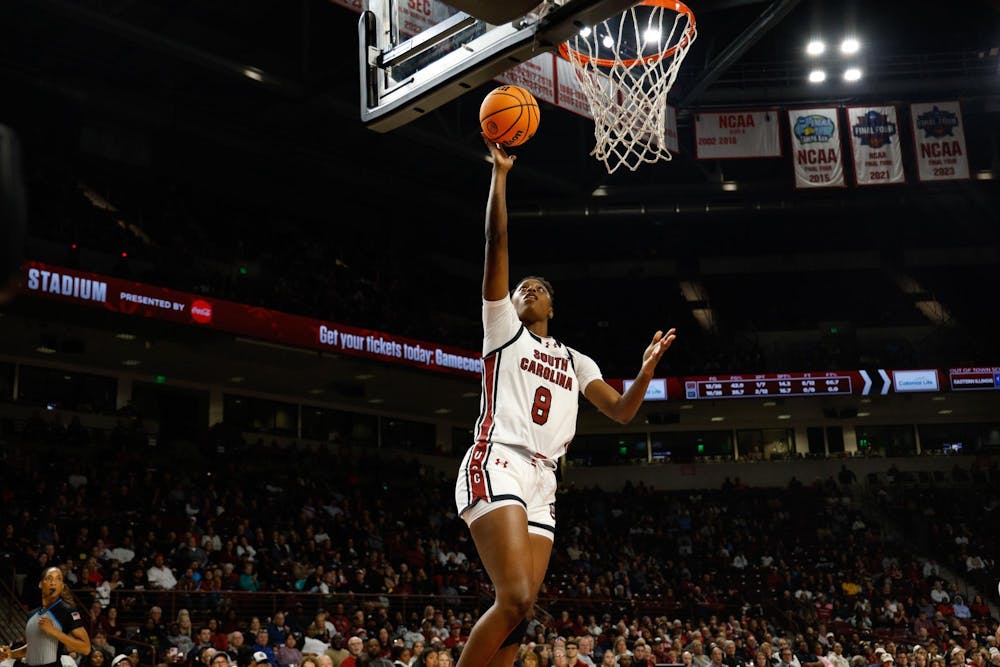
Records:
x=660, y=344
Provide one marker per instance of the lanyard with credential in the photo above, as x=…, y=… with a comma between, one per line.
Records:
x=42, y=612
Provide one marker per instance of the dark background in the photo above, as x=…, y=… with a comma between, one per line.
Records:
x=146, y=104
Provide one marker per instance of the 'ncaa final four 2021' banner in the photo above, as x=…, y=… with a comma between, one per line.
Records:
x=878, y=159
x=816, y=149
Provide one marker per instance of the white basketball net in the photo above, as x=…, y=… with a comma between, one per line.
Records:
x=628, y=99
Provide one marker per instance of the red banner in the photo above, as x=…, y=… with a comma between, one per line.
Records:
x=161, y=303
x=537, y=75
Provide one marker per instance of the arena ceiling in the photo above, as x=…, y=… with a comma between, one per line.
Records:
x=163, y=83
x=172, y=77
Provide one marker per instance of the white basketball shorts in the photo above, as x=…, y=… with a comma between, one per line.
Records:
x=493, y=476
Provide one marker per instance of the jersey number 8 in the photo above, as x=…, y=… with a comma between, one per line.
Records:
x=540, y=408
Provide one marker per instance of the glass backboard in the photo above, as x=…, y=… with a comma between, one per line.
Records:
x=416, y=55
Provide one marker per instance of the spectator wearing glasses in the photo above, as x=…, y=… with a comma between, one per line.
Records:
x=573, y=653
x=786, y=658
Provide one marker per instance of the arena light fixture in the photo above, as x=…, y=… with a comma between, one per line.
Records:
x=852, y=74
x=945, y=411
x=849, y=46
x=131, y=363
x=585, y=31
x=817, y=76
x=815, y=47
x=785, y=416
x=718, y=419
x=863, y=414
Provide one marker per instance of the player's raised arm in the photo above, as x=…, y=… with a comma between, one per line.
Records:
x=495, y=266
x=622, y=408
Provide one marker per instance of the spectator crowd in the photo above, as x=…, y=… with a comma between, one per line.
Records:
x=293, y=553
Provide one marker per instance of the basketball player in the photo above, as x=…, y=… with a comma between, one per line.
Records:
x=506, y=484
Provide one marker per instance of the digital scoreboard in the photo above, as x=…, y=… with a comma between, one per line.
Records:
x=759, y=385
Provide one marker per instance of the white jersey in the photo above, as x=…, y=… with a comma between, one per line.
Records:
x=531, y=385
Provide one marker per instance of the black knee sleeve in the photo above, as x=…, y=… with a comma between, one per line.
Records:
x=516, y=635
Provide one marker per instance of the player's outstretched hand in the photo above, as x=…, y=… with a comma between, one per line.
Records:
x=501, y=161
x=660, y=344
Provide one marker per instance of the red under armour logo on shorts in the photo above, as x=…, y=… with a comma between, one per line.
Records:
x=499, y=462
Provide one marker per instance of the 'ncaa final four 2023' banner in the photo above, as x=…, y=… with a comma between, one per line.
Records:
x=816, y=149
x=939, y=141
x=878, y=159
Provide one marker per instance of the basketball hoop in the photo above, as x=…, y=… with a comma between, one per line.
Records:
x=626, y=65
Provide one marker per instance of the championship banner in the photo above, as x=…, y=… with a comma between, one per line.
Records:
x=736, y=134
x=939, y=140
x=536, y=75
x=670, y=130
x=816, y=150
x=161, y=303
x=569, y=92
x=878, y=158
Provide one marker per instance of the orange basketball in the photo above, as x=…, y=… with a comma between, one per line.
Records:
x=509, y=115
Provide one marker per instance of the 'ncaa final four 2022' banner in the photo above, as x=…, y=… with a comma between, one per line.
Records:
x=939, y=141
x=874, y=132
x=816, y=149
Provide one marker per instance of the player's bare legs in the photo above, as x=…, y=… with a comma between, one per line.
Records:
x=541, y=549
x=515, y=562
